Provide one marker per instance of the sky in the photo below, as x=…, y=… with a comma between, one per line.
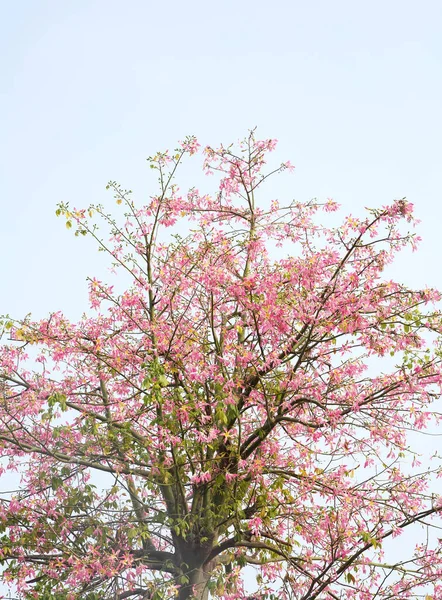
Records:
x=90, y=88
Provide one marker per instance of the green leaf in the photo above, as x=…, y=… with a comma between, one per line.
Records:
x=56, y=482
x=162, y=380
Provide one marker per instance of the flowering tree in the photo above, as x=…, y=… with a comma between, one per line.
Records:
x=230, y=403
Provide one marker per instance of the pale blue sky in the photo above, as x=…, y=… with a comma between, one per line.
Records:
x=90, y=88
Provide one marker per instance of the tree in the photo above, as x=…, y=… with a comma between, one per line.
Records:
x=238, y=402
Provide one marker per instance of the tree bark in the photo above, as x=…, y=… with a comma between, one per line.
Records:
x=198, y=585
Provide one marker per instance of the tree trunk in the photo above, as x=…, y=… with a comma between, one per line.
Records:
x=197, y=587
